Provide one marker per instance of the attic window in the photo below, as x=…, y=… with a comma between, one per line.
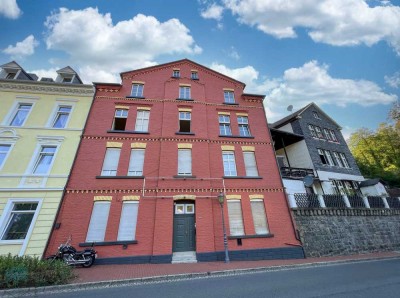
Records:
x=67, y=80
x=11, y=75
x=316, y=116
x=176, y=73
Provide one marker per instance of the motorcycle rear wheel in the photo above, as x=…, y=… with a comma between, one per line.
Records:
x=89, y=263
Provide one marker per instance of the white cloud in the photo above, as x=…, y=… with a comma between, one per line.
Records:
x=213, y=11
x=10, y=9
x=393, y=80
x=308, y=83
x=234, y=54
x=103, y=47
x=335, y=22
x=23, y=48
x=46, y=73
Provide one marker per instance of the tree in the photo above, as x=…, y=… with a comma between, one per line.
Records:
x=377, y=153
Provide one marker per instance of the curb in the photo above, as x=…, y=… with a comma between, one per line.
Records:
x=174, y=277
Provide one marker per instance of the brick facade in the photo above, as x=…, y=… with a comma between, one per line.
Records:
x=162, y=186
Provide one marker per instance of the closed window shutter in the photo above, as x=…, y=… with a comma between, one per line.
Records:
x=127, y=224
x=259, y=217
x=136, y=162
x=184, y=162
x=235, y=218
x=98, y=222
x=250, y=164
x=110, y=164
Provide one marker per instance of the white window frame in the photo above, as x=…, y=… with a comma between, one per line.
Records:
x=7, y=153
x=329, y=157
x=93, y=225
x=250, y=163
x=182, y=167
x=338, y=159
x=319, y=132
x=137, y=162
x=128, y=221
x=312, y=130
x=39, y=158
x=111, y=172
x=142, y=121
x=228, y=158
x=6, y=216
x=185, y=116
x=263, y=229
x=224, y=125
x=55, y=113
x=344, y=160
x=229, y=96
x=333, y=135
x=139, y=90
x=120, y=114
x=236, y=225
x=184, y=92
x=176, y=73
x=194, y=75
x=322, y=154
x=316, y=116
x=243, y=122
x=15, y=110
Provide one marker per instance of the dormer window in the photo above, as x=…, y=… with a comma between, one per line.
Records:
x=229, y=96
x=137, y=90
x=176, y=73
x=11, y=75
x=66, y=80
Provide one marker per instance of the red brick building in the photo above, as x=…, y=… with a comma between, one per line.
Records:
x=156, y=152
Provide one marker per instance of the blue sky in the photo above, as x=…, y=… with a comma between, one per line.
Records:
x=343, y=55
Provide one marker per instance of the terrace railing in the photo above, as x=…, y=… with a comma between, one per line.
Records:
x=393, y=202
x=335, y=201
x=304, y=200
x=375, y=202
x=288, y=172
x=356, y=201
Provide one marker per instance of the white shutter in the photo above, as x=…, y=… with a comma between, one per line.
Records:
x=184, y=162
x=250, y=164
x=98, y=222
x=110, y=164
x=136, y=162
x=127, y=224
x=235, y=218
x=259, y=217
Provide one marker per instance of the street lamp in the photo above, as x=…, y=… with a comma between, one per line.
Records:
x=221, y=203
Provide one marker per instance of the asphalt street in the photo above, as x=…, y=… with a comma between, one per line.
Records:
x=362, y=279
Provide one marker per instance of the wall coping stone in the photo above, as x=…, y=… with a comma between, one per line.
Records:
x=345, y=212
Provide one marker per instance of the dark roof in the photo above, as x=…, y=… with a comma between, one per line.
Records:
x=284, y=138
x=70, y=70
x=298, y=113
x=372, y=182
x=15, y=65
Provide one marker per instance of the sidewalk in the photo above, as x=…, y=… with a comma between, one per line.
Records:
x=102, y=273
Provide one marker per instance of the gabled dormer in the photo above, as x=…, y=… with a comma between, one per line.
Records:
x=13, y=71
x=68, y=76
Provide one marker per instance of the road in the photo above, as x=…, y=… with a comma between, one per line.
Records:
x=364, y=279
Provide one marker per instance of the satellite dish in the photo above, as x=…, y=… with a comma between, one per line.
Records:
x=290, y=108
x=308, y=180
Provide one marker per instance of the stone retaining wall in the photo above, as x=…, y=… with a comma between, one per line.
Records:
x=328, y=232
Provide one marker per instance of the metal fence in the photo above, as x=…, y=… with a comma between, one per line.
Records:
x=375, y=202
x=304, y=200
x=394, y=203
x=356, y=201
x=335, y=201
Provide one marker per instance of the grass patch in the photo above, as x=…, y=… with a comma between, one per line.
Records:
x=21, y=272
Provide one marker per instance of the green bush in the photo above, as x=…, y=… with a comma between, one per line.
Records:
x=18, y=272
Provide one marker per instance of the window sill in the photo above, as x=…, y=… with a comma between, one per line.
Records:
x=231, y=103
x=241, y=137
x=11, y=242
x=194, y=79
x=251, y=236
x=185, y=133
x=242, y=177
x=175, y=77
x=184, y=177
x=129, y=132
x=119, y=177
x=107, y=243
x=138, y=97
x=185, y=99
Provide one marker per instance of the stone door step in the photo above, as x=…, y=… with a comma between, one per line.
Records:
x=184, y=257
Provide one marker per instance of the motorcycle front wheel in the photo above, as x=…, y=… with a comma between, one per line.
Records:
x=89, y=262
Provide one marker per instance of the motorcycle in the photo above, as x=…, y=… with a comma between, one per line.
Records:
x=69, y=255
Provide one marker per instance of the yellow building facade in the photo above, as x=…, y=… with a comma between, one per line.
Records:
x=41, y=123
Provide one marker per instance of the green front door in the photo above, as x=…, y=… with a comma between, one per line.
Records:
x=184, y=228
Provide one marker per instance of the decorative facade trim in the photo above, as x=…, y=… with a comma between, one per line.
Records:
x=255, y=197
x=185, y=146
x=138, y=145
x=248, y=148
x=130, y=198
x=233, y=197
x=102, y=198
x=184, y=197
x=114, y=145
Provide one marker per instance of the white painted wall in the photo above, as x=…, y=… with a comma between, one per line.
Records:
x=325, y=176
x=286, y=127
x=293, y=186
x=374, y=190
x=298, y=155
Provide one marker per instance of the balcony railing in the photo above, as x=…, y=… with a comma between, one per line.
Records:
x=375, y=202
x=356, y=201
x=394, y=203
x=335, y=201
x=304, y=200
x=288, y=172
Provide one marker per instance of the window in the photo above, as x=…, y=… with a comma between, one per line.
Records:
x=110, y=163
x=184, y=121
x=228, y=158
x=333, y=135
x=184, y=162
x=224, y=125
x=319, y=132
x=127, y=223
x=44, y=160
x=67, y=80
x=137, y=90
x=142, y=121
x=243, y=122
x=136, y=162
x=62, y=115
x=194, y=75
x=98, y=222
x=120, y=118
x=316, y=116
x=176, y=73
x=11, y=75
x=21, y=114
x=184, y=92
x=327, y=134
x=344, y=160
x=337, y=159
x=250, y=164
x=322, y=156
x=329, y=158
x=312, y=130
x=19, y=220
x=4, y=149
x=259, y=216
x=235, y=218
x=229, y=97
